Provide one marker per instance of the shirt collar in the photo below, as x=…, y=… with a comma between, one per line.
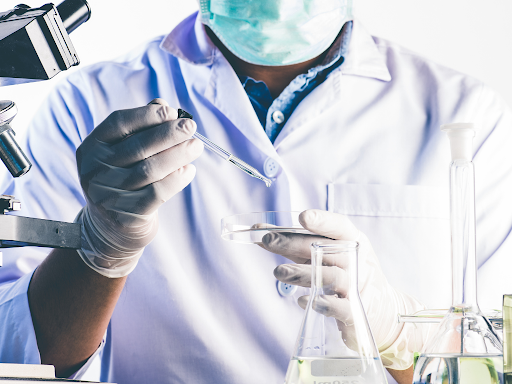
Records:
x=363, y=57
x=189, y=42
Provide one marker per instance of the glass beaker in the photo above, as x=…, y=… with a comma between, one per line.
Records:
x=328, y=349
x=466, y=349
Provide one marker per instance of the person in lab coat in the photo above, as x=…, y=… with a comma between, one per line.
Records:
x=347, y=127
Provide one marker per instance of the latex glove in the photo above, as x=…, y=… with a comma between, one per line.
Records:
x=128, y=166
x=381, y=301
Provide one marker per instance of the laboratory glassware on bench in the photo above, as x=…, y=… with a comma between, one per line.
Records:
x=466, y=348
x=507, y=339
x=494, y=316
x=329, y=350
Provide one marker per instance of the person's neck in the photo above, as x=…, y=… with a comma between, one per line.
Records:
x=276, y=78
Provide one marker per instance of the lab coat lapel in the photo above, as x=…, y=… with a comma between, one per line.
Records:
x=363, y=56
x=227, y=94
x=362, y=59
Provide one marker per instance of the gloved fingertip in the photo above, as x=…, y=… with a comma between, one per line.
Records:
x=279, y=271
x=303, y=301
x=287, y=273
x=190, y=169
x=165, y=112
x=329, y=224
x=268, y=240
x=310, y=218
x=294, y=274
x=159, y=101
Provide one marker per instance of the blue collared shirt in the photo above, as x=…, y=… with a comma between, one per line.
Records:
x=273, y=114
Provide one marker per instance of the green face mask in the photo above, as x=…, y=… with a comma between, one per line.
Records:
x=276, y=32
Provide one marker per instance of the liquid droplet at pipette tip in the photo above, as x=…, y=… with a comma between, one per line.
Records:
x=225, y=154
x=249, y=170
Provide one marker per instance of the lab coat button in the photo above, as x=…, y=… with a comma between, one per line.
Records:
x=271, y=167
x=278, y=117
x=286, y=289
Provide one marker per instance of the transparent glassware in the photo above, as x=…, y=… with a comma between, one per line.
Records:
x=507, y=339
x=466, y=348
x=494, y=316
x=249, y=228
x=329, y=350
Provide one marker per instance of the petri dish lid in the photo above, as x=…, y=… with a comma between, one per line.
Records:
x=249, y=228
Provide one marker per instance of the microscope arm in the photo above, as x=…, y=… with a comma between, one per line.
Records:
x=19, y=231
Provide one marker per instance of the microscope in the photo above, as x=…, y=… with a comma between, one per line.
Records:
x=34, y=46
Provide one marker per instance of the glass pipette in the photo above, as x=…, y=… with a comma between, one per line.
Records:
x=251, y=171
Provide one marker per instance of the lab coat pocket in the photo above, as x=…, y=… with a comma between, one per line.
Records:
x=409, y=228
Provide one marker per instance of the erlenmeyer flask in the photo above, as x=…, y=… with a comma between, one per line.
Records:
x=466, y=348
x=335, y=350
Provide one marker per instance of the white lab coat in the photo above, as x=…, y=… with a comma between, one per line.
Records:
x=365, y=143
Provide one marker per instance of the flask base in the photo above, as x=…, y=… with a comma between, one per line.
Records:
x=317, y=370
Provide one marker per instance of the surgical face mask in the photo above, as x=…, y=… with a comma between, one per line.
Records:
x=276, y=32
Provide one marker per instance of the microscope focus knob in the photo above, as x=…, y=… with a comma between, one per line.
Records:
x=8, y=111
x=11, y=154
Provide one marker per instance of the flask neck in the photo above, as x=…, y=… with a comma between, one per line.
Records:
x=335, y=324
x=327, y=262
x=462, y=216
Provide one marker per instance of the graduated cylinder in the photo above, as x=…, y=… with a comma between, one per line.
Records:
x=466, y=349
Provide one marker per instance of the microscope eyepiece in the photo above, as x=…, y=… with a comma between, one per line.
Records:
x=73, y=13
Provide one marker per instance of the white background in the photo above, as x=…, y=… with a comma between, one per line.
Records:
x=474, y=37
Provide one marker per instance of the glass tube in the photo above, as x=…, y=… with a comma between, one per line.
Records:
x=466, y=348
x=462, y=216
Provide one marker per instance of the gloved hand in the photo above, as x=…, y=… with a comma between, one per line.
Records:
x=381, y=301
x=128, y=166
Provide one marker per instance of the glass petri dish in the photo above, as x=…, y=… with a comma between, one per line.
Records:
x=249, y=228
